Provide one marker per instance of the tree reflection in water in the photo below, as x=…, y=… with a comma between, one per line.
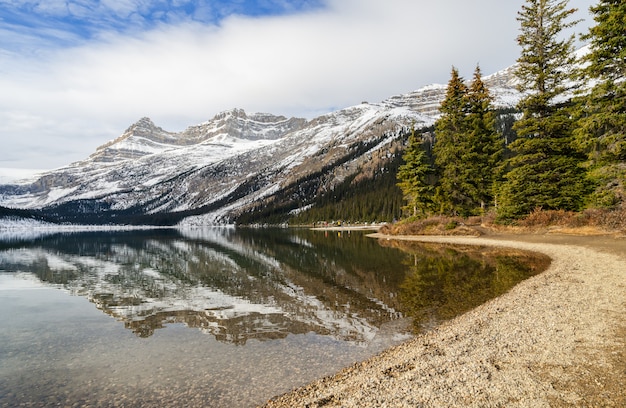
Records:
x=445, y=281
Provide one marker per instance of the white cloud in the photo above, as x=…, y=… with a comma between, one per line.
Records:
x=299, y=64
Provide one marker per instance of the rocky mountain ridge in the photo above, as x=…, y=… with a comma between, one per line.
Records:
x=236, y=162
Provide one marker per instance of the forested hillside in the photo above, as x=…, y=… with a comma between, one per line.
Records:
x=370, y=194
x=365, y=199
x=376, y=195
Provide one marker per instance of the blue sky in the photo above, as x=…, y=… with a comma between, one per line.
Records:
x=76, y=74
x=63, y=23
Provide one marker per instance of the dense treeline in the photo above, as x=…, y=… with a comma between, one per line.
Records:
x=569, y=151
x=459, y=178
x=16, y=213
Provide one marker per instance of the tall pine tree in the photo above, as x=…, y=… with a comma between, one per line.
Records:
x=601, y=129
x=545, y=171
x=413, y=179
x=452, y=194
x=482, y=145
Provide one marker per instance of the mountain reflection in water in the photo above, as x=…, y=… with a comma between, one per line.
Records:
x=234, y=284
x=240, y=284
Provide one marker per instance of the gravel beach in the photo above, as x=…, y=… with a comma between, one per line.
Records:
x=557, y=339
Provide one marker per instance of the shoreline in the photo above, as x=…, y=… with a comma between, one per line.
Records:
x=555, y=339
x=373, y=227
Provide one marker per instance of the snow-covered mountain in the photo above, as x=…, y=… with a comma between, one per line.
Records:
x=217, y=170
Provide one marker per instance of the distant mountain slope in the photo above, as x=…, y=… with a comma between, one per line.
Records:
x=235, y=163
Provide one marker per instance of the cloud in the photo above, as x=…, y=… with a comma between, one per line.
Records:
x=301, y=63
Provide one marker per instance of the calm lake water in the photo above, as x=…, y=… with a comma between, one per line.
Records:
x=219, y=317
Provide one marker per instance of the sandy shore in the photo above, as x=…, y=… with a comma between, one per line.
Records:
x=557, y=339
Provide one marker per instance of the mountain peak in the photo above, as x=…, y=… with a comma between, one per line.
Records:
x=235, y=112
x=141, y=138
x=143, y=126
x=238, y=124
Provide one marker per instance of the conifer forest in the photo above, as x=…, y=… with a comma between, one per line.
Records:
x=565, y=148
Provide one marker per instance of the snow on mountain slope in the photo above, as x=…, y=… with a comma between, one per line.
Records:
x=224, y=166
x=146, y=155
x=144, y=137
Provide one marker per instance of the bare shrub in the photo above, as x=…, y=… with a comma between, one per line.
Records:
x=545, y=218
x=606, y=219
x=438, y=225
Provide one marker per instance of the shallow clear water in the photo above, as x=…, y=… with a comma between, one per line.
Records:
x=215, y=317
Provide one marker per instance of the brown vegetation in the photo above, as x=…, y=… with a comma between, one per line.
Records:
x=587, y=222
x=439, y=225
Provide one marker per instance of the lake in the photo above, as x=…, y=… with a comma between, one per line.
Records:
x=219, y=317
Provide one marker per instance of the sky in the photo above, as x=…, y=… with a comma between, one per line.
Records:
x=76, y=74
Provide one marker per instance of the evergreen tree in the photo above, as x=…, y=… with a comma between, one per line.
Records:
x=452, y=196
x=601, y=129
x=482, y=145
x=467, y=147
x=413, y=178
x=545, y=171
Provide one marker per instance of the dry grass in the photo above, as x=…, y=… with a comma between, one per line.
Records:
x=436, y=226
x=588, y=222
